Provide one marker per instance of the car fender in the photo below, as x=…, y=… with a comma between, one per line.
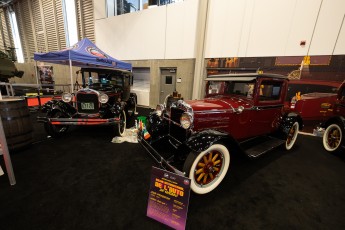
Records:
x=133, y=100
x=59, y=105
x=118, y=107
x=157, y=126
x=288, y=120
x=335, y=119
x=204, y=139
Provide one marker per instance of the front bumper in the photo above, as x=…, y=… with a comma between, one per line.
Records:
x=79, y=121
x=158, y=158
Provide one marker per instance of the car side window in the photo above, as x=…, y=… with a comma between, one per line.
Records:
x=270, y=91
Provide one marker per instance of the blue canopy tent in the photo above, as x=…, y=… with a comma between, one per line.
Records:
x=84, y=54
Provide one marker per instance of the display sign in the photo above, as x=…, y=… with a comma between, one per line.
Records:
x=45, y=75
x=168, y=198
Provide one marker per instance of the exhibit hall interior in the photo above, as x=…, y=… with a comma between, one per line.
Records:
x=172, y=114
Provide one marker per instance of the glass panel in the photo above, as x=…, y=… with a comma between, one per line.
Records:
x=168, y=80
x=110, y=8
x=270, y=91
x=70, y=22
x=16, y=37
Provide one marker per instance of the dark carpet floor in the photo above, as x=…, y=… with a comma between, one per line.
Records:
x=83, y=181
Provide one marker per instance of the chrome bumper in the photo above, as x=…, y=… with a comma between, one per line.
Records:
x=79, y=121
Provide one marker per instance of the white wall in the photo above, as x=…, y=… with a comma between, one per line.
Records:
x=252, y=28
x=245, y=28
x=327, y=28
x=165, y=32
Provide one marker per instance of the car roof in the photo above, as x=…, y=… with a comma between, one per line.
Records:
x=243, y=76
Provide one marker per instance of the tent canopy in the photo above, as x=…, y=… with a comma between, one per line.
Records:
x=83, y=54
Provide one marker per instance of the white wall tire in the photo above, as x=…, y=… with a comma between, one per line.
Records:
x=120, y=128
x=292, y=136
x=207, y=169
x=332, y=138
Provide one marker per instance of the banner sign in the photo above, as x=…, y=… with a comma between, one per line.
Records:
x=168, y=198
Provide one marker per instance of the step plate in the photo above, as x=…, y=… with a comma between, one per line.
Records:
x=268, y=144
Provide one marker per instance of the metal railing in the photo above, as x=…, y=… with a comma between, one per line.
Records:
x=9, y=89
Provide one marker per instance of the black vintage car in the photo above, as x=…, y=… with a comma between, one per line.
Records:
x=104, y=98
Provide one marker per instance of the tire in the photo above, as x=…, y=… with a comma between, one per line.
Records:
x=332, y=138
x=292, y=136
x=207, y=169
x=120, y=128
x=55, y=130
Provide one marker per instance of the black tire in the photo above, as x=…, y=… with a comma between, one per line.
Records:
x=55, y=130
x=333, y=137
x=120, y=128
x=205, y=170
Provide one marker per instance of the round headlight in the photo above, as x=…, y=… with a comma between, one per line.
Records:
x=159, y=110
x=186, y=120
x=103, y=98
x=66, y=97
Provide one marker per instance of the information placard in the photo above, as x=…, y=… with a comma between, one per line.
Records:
x=168, y=198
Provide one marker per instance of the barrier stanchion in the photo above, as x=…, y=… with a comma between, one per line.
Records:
x=6, y=155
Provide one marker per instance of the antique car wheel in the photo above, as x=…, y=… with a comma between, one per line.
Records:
x=120, y=128
x=207, y=169
x=292, y=136
x=332, y=137
x=55, y=130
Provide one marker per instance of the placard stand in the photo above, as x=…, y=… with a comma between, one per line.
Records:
x=6, y=155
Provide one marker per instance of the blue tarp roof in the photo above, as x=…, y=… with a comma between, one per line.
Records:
x=83, y=54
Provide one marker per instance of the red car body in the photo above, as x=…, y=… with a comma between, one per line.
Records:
x=334, y=136
x=312, y=100
x=242, y=113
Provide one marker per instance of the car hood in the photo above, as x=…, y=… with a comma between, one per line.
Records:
x=221, y=103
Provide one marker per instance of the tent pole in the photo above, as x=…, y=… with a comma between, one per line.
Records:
x=71, y=74
x=37, y=77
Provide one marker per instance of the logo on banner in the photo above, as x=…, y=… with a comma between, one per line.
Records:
x=95, y=52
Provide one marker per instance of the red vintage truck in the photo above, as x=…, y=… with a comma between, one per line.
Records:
x=312, y=100
x=333, y=138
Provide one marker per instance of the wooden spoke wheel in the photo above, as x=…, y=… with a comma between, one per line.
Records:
x=292, y=136
x=120, y=128
x=332, y=137
x=207, y=169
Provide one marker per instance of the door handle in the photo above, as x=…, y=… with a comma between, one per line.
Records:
x=162, y=91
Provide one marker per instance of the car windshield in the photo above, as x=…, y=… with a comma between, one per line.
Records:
x=103, y=81
x=242, y=88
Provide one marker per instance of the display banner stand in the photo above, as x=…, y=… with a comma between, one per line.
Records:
x=6, y=155
x=168, y=198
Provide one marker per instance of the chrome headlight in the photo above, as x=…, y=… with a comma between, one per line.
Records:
x=186, y=120
x=66, y=97
x=159, y=109
x=103, y=98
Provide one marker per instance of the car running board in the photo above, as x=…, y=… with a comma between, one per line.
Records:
x=261, y=145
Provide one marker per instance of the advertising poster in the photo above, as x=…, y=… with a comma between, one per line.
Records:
x=45, y=75
x=168, y=198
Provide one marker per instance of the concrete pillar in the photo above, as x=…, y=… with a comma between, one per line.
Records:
x=200, y=49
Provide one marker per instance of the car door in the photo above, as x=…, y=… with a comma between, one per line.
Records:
x=268, y=105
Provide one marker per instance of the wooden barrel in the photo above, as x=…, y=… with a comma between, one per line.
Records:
x=17, y=123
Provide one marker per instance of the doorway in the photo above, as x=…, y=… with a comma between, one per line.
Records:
x=168, y=83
